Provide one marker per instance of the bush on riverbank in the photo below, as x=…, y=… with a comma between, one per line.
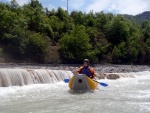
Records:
x=31, y=33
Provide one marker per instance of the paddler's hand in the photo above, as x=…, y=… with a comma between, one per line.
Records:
x=91, y=77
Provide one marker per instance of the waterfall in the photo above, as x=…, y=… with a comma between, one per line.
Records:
x=20, y=77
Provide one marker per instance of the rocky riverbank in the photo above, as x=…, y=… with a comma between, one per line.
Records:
x=72, y=67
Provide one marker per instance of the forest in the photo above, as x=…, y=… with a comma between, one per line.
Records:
x=33, y=34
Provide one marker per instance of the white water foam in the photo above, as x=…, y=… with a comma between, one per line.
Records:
x=124, y=95
x=20, y=77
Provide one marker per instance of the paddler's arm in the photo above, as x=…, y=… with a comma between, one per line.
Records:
x=93, y=73
x=79, y=70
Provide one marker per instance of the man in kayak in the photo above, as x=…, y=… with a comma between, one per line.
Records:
x=86, y=69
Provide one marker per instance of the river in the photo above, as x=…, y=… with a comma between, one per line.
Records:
x=124, y=95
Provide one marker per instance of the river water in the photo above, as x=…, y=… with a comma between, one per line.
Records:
x=124, y=95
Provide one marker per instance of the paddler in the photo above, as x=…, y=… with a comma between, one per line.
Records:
x=86, y=69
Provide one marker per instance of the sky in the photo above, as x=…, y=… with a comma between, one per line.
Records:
x=131, y=7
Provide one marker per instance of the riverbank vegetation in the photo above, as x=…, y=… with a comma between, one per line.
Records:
x=31, y=33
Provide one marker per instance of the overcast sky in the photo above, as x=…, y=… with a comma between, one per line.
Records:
x=131, y=7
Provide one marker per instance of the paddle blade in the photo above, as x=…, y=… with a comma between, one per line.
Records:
x=66, y=80
x=103, y=84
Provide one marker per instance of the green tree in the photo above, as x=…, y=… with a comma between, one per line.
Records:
x=35, y=4
x=147, y=56
x=148, y=42
x=35, y=47
x=74, y=47
x=90, y=21
x=119, y=53
x=146, y=29
x=61, y=14
x=78, y=17
x=14, y=4
x=100, y=45
x=12, y=26
x=33, y=32
x=52, y=12
x=118, y=30
x=103, y=20
x=57, y=28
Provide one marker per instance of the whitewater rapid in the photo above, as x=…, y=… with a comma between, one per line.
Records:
x=124, y=95
x=20, y=77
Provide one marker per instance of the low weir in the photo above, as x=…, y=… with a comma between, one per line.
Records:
x=20, y=77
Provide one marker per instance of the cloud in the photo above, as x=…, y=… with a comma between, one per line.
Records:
x=21, y=2
x=50, y=7
x=132, y=7
x=98, y=5
x=77, y=4
x=54, y=4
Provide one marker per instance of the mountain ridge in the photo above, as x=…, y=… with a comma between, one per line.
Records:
x=139, y=18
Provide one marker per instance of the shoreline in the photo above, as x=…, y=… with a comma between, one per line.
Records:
x=110, y=71
x=108, y=68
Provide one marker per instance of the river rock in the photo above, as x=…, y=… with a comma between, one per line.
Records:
x=112, y=76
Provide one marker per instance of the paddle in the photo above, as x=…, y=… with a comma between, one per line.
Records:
x=101, y=83
x=66, y=80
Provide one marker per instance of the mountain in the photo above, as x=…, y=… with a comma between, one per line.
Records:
x=140, y=17
x=143, y=16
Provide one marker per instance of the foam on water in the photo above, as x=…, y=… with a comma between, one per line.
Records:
x=124, y=95
x=20, y=77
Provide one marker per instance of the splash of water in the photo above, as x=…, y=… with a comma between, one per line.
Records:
x=20, y=77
